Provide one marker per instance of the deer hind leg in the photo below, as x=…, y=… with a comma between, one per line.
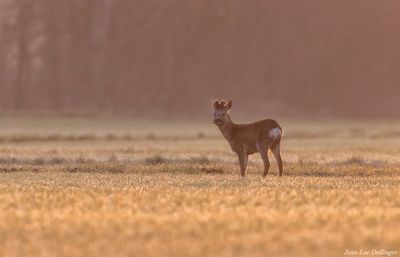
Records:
x=243, y=160
x=264, y=156
x=276, y=150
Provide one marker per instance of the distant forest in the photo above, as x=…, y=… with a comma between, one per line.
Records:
x=295, y=58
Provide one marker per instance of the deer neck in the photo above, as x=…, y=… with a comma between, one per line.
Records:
x=227, y=128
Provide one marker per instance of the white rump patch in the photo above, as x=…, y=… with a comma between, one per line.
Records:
x=275, y=133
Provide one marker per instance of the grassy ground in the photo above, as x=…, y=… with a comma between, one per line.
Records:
x=90, y=187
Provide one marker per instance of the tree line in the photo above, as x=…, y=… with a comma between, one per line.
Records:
x=338, y=58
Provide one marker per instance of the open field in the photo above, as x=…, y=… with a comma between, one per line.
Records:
x=107, y=187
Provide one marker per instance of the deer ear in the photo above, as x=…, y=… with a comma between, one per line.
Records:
x=214, y=102
x=229, y=105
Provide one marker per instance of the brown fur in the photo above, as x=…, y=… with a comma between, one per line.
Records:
x=247, y=139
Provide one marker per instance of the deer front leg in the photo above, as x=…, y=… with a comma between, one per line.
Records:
x=243, y=160
x=264, y=156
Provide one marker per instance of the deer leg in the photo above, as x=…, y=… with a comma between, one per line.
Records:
x=264, y=156
x=243, y=160
x=276, y=150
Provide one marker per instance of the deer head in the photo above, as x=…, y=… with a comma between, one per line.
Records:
x=221, y=112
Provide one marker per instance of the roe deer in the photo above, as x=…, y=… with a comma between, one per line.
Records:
x=247, y=139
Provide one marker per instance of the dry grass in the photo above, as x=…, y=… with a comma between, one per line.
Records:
x=170, y=195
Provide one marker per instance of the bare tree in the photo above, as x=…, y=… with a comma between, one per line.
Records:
x=22, y=25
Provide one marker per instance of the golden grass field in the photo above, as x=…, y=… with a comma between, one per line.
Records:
x=118, y=187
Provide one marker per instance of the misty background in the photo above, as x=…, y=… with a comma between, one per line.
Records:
x=170, y=57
